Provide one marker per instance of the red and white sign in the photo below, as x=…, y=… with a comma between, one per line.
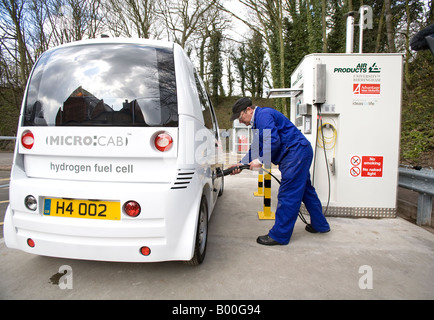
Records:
x=366, y=88
x=355, y=171
x=372, y=166
x=355, y=161
x=366, y=166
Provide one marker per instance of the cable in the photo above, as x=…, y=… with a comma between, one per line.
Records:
x=314, y=155
x=328, y=143
x=325, y=157
x=300, y=215
x=270, y=174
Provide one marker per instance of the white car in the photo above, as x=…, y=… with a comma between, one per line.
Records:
x=117, y=155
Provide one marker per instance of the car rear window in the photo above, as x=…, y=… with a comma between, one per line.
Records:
x=103, y=85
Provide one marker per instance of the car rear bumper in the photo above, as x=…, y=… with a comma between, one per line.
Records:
x=167, y=225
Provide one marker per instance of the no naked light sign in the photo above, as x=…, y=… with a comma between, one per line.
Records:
x=366, y=166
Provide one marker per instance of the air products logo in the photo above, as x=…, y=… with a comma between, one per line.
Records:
x=360, y=68
x=96, y=141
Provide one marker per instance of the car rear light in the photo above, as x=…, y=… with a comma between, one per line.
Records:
x=146, y=251
x=132, y=208
x=27, y=139
x=163, y=142
x=31, y=203
x=30, y=243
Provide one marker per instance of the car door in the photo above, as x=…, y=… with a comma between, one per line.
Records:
x=215, y=151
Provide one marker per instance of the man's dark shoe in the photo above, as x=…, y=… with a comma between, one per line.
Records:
x=310, y=229
x=267, y=241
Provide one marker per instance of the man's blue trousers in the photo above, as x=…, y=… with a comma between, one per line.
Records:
x=296, y=187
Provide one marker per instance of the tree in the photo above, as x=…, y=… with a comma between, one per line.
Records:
x=336, y=39
x=270, y=15
x=216, y=66
x=210, y=36
x=182, y=18
x=239, y=59
x=389, y=28
x=131, y=18
x=39, y=16
x=256, y=65
x=56, y=22
x=13, y=36
x=231, y=79
x=314, y=25
x=296, y=33
x=324, y=25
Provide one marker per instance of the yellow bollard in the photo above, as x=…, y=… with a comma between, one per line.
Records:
x=267, y=214
x=260, y=191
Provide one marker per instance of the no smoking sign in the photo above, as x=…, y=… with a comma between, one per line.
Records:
x=366, y=166
x=355, y=161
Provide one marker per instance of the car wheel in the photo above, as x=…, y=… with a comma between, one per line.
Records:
x=222, y=187
x=201, y=234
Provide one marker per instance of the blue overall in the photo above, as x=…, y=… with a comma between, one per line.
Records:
x=284, y=145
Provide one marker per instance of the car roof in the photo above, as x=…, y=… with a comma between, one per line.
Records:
x=134, y=41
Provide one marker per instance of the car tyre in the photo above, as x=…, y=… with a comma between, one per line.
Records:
x=201, y=234
x=222, y=187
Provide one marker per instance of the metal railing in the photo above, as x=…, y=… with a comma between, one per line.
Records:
x=421, y=181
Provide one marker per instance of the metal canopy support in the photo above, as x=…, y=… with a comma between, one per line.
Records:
x=284, y=93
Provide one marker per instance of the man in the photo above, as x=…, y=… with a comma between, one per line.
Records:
x=284, y=145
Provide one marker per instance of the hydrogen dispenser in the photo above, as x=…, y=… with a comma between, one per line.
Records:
x=349, y=108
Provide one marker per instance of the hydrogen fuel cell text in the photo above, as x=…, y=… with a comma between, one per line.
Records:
x=86, y=168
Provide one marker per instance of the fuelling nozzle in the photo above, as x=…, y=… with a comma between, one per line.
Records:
x=229, y=170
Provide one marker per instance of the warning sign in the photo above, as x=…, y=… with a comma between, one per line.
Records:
x=355, y=171
x=355, y=161
x=366, y=88
x=366, y=166
x=372, y=166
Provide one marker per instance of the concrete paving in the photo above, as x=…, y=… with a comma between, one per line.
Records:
x=6, y=159
x=359, y=259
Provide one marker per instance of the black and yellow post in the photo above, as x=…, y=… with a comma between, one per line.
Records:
x=267, y=214
x=260, y=192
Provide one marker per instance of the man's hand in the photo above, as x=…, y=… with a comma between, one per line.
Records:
x=235, y=171
x=255, y=165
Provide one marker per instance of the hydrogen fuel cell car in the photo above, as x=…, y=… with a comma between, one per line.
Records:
x=117, y=155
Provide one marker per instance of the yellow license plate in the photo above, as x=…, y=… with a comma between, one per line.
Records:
x=89, y=209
